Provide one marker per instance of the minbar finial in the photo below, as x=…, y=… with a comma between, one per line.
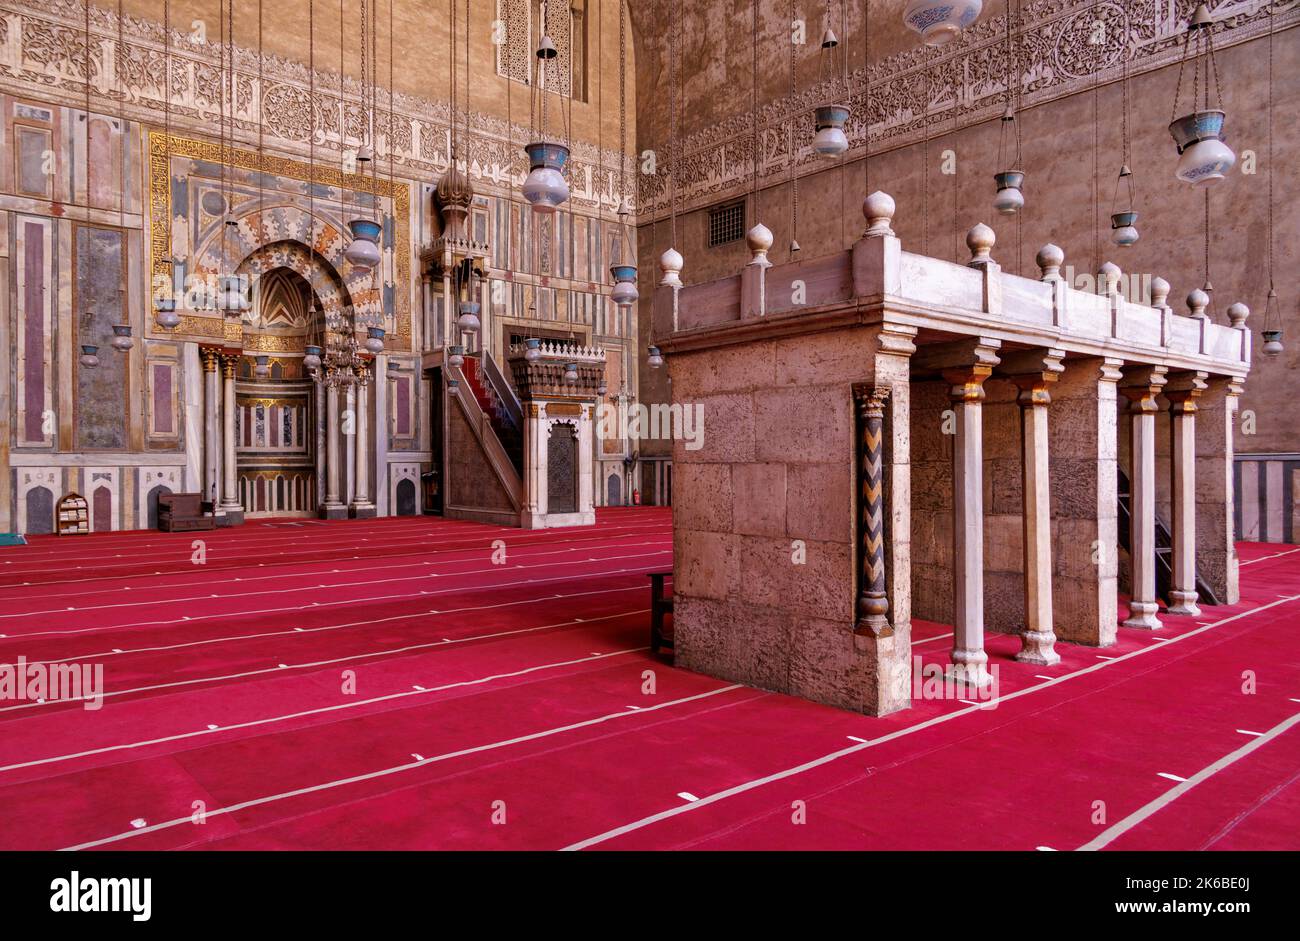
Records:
x=879, y=209
x=980, y=240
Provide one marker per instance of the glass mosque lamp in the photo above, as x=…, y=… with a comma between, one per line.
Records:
x=363, y=251
x=938, y=21
x=545, y=188
x=1009, y=199
x=311, y=359
x=625, y=292
x=532, y=349
x=453, y=387
x=1123, y=223
x=1271, y=333
x=655, y=358
x=262, y=367
x=456, y=356
x=122, y=337
x=830, y=140
x=468, y=321
x=1203, y=157
x=570, y=372
x=165, y=312
x=89, y=355
x=375, y=339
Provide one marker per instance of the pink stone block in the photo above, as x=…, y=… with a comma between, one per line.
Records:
x=760, y=498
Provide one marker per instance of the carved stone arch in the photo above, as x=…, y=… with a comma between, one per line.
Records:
x=321, y=232
x=317, y=270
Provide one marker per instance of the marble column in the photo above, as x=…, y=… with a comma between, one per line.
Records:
x=1141, y=386
x=1038, y=640
x=333, y=508
x=969, y=661
x=230, y=505
x=211, y=433
x=1182, y=391
x=1216, y=551
x=362, y=506
x=873, y=602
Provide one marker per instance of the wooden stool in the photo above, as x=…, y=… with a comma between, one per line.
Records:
x=659, y=605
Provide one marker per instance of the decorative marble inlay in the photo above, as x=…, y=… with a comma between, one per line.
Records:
x=42, y=42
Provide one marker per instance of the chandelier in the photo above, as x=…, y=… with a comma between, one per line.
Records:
x=342, y=363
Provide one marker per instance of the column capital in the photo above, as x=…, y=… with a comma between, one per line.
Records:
x=966, y=379
x=1033, y=371
x=1182, y=389
x=210, y=358
x=870, y=400
x=229, y=363
x=1141, y=385
x=1112, y=369
x=897, y=338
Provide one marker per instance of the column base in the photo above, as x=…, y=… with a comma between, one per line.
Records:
x=1038, y=647
x=973, y=674
x=362, y=511
x=230, y=515
x=1142, y=615
x=1183, y=603
x=332, y=511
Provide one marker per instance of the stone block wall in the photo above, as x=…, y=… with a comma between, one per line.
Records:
x=764, y=523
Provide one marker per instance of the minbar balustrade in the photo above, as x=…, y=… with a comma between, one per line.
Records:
x=888, y=434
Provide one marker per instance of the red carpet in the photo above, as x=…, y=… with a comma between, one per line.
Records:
x=384, y=684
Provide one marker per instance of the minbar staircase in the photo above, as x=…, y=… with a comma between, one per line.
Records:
x=498, y=402
x=1164, y=546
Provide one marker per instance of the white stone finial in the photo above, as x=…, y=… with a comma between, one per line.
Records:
x=980, y=240
x=1050, y=258
x=879, y=209
x=1197, y=301
x=670, y=264
x=1159, y=292
x=1108, y=277
x=759, y=239
x=1237, y=314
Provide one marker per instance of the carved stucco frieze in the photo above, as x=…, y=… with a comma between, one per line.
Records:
x=963, y=83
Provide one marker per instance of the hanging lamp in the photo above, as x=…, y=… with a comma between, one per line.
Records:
x=166, y=314
x=468, y=320
x=1271, y=332
x=456, y=356
x=1203, y=155
x=375, y=340
x=570, y=373
x=624, y=293
x=311, y=359
x=545, y=188
x=122, y=341
x=1010, y=181
x=654, y=359
x=1123, y=222
x=938, y=21
x=363, y=252
x=89, y=355
x=262, y=366
x=165, y=306
x=532, y=349
x=830, y=140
